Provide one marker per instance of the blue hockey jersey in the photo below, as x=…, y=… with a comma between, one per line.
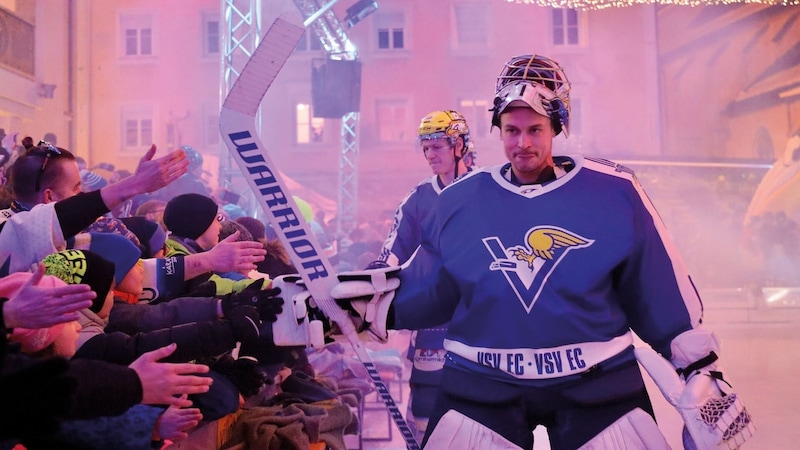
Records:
x=544, y=281
x=426, y=351
x=406, y=232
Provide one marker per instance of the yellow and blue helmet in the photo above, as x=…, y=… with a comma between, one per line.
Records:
x=447, y=124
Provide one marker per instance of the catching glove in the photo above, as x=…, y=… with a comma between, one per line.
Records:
x=244, y=323
x=266, y=301
x=713, y=414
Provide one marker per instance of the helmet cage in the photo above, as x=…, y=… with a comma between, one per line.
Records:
x=539, y=98
x=540, y=83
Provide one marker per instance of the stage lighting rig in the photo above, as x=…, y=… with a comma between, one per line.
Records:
x=359, y=10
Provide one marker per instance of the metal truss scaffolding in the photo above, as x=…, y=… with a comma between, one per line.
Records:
x=331, y=32
x=241, y=35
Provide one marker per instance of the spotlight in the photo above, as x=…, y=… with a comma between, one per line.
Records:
x=359, y=10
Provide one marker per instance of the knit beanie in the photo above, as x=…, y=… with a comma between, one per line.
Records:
x=36, y=339
x=91, y=181
x=190, y=215
x=105, y=224
x=82, y=267
x=118, y=249
x=151, y=236
x=11, y=283
x=255, y=226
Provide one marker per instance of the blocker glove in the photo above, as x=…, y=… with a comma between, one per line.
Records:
x=266, y=301
x=367, y=295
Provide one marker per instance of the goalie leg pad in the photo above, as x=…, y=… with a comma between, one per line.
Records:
x=293, y=327
x=636, y=429
x=455, y=430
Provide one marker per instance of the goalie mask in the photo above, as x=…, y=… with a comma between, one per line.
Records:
x=539, y=82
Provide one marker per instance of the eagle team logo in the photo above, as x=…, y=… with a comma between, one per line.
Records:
x=527, y=267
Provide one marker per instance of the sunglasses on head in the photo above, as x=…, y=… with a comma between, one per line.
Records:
x=49, y=150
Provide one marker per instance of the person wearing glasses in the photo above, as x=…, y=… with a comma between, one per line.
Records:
x=443, y=137
x=48, y=208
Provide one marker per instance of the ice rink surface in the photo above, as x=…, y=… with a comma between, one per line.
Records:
x=760, y=357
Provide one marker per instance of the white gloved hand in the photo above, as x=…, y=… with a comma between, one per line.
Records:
x=294, y=326
x=367, y=295
x=714, y=415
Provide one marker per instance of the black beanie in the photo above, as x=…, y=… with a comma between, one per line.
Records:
x=151, y=235
x=190, y=215
x=82, y=267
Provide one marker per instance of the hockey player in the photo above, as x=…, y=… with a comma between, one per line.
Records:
x=544, y=266
x=444, y=139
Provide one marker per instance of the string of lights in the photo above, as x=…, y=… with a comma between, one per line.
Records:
x=602, y=4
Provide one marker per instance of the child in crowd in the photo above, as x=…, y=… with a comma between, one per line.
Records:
x=135, y=429
x=203, y=340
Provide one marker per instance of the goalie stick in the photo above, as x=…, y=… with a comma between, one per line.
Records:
x=238, y=129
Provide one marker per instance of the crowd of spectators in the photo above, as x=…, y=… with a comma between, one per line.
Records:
x=136, y=305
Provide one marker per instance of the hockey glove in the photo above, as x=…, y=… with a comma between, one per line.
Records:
x=298, y=324
x=368, y=295
x=244, y=323
x=714, y=415
x=266, y=301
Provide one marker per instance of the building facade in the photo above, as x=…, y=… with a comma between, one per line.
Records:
x=647, y=82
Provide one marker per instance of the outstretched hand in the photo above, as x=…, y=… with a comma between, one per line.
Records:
x=163, y=382
x=153, y=174
x=34, y=306
x=175, y=422
x=230, y=255
x=367, y=296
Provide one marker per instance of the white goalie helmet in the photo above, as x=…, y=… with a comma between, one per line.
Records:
x=539, y=82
